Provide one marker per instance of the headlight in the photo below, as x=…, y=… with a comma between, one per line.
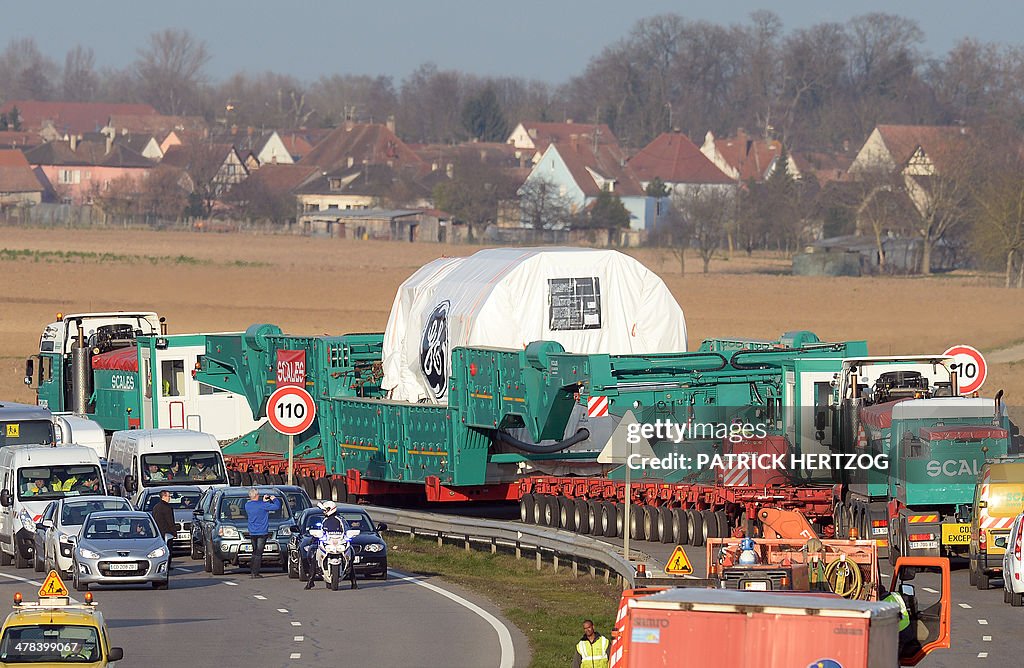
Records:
x=89, y=554
x=27, y=522
x=227, y=532
x=373, y=547
x=158, y=552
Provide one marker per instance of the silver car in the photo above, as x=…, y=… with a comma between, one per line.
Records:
x=120, y=547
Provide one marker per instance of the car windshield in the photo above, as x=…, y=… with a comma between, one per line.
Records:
x=179, y=500
x=50, y=643
x=297, y=501
x=313, y=519
x=56, y=482
x=26, y=431
x=74, y=513
x=119, y=528
x=357, y=520
x=232, y=509
x=183, y=467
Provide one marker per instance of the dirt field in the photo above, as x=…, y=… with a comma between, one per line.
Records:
x=225, y=282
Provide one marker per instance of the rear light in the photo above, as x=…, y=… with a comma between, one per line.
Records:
x=915, y=537
x=1016, y=544
x=854, y=533
x=982, y=540
x=784, y=581
x=879, y=524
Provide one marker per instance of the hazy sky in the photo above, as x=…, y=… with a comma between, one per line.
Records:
x=550, y=40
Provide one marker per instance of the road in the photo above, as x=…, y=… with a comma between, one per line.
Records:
x=233, y=620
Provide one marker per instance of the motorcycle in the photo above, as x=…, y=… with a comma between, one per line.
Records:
x=334, y=556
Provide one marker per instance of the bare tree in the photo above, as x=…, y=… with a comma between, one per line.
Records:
x=164, y=193
x=25, y=73
x=998, y=203
x=79, y=81
x=879, y=195
x=940, y=194
x=541, y=204
x=706, y=212
x=170, y=71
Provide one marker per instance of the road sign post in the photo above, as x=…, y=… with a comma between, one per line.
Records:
x=970, y=368
x=618, y=450
x=290, y=411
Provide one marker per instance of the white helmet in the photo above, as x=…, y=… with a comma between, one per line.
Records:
x=328, y=507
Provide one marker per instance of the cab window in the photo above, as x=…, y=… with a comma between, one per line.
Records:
x=49, y=643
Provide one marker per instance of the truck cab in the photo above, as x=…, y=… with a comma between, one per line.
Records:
x=22, y=424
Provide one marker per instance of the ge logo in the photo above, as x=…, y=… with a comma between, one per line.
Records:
x=434, y=348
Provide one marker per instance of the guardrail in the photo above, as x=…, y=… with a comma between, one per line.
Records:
x=578, y=552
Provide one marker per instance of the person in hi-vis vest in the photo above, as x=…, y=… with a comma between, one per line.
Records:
x=593, y=649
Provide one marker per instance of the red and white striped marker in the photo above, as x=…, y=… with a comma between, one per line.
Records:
x=597, y=407
x=735, y=477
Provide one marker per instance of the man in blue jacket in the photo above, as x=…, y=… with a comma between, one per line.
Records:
x=258, y=513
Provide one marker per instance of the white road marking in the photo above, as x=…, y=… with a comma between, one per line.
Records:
x=886, y=575
x=299, y=638
x=964, y=606
x=260, y=597
x=284, y=610
x=295, y=655
x=27, y=581
x=929, y=590
x=986, y=638
x=230, y=583
x=508, y=652
x=296, y=623
x=983, y=621
x=982, y=655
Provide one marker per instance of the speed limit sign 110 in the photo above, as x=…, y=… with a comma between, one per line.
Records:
x=291, y=410
x=969, y=366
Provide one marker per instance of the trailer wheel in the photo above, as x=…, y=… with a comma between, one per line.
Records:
x=607, y=520
x=323, y=489
x=566, y=514
x=679, y=527
x=695, y=527
x=620, y=520
x=594, y=518
x=550, y=511
x=665, y=530
x=538, y=509
x=309, y=486
x=234, y=478
x=526, y=508
x=581, y=516
x=260, y=478
x=339, y=491
x=246, y=479
x=636, y=522
x=724, y=530
x=710, y=524
x=650, y=525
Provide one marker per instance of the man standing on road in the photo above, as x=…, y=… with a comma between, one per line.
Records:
x=258, y=513
x=163, y=515
x=593, y=650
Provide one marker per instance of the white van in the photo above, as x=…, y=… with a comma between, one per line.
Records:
x=139, y=458
x=71, y=428
x=33, y=476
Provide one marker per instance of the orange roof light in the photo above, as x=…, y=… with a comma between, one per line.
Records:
x=88, y=598
x=17, y=598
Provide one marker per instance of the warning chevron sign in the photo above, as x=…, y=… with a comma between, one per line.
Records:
x=53, y=586
x=679, y=563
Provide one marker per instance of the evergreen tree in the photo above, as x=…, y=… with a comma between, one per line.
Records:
x=483, y=118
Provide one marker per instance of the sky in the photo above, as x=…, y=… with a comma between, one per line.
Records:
x=549, y=40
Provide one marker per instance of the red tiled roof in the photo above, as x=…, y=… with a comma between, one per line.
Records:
x=87, y=152
x=13, y=139
x=936, y=140
x=76, y=117
x=281, y=179
x=824, y=166
x=544, y=134
x=608, y=161
x=154, y=124
x=369, y=143
x=750, y=157
x=673, y=158
x=16, y=174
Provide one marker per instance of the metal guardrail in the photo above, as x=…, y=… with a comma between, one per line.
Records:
x=577, y=550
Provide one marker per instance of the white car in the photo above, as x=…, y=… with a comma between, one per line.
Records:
x=1013, y=565
x=60, y=525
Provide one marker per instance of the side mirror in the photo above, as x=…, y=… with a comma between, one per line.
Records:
x=820, y=420
x=29, y=371
x=294, y=529
x=1001, y=541
x=381, y=527
x=6, y=498
x=116, y=654
x=197, y=513
x=72, y=539
x=47, y=523
x=907, y=590
x=129, y=485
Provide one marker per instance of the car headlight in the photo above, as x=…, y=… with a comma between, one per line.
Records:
x=27, y=522
x=228, y=532
x=89, y=554
x=373, y=547
x=158, y=552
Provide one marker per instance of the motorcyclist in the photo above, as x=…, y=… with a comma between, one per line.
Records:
x=331, y=523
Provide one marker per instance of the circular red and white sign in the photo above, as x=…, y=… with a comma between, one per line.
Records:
x=970, y=367
x=291, y=410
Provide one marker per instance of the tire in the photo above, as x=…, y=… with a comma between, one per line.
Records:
x=335, y=577
x=695, y=527
x=650, y=524
x=37, y=563
x=339, y=490
x=323, y=489
x=1006, y=595
x=839, y=519
x=710, y=524
x=581, y=516
x=309, y=487
x=983, y=581
x=972, y=575
x=566, y=513
x=620, y=520
x=382, y=576
x=246, y=479
x=594, y=518
x=207, y=561
x=636, y=521
x=301, y=573
x=665, y=529
x=538, y=509
x=724, y=530
x=284, y=565
x=607, y=520
x=293, y=567
x=193, y=551
x=216, y=563
x=1016, y=600
x=75, y=582
x=680, y=530
x=548, y=511
x=259, y=478
x=526, y=503
x=20, y=561
x=5, y=559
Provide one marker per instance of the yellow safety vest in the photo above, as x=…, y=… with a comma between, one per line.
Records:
x=66, y=485
x=893, y=597
x=595, y=654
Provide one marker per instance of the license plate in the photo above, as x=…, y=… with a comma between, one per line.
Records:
x=269, y=547
x=123, y=567
x=184, y=536
x=924, y=545
x=758, y=585
x=956, y=534
x=879, y=531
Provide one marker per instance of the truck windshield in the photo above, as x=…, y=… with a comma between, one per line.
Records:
x=17, y=432
x=203, y=467
x=56, y=482
x=50, y=643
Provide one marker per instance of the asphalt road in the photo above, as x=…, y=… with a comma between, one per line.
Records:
x=984, y=630
x=233, y=620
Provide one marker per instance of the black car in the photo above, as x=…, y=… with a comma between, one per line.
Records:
x=225, y=529
x=297, y=498
x=184, y=500
x=371, y=552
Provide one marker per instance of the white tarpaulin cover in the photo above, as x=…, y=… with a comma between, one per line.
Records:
x=590, y=301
